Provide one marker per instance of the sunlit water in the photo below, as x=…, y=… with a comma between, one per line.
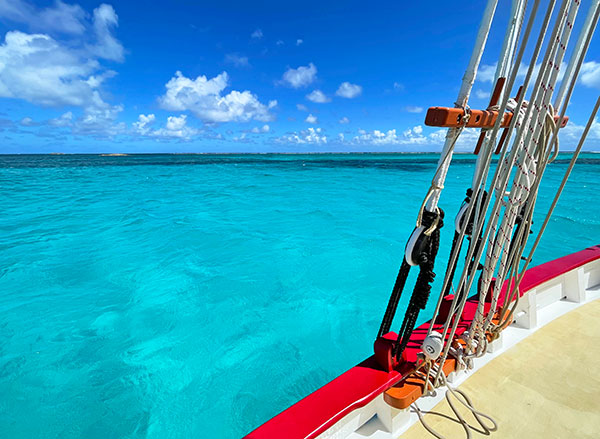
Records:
x=197, y=296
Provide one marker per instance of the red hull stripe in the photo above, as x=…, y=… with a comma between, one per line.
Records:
x=358, y=386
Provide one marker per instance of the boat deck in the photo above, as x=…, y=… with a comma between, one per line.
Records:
x=545, y=386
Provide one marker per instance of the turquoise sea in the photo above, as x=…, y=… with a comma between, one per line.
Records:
x=180, y=296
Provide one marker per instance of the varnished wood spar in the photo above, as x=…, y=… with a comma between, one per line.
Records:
x=505, y=132
x=493, y=101
x=453, y=118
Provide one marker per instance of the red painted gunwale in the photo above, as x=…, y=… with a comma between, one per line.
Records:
x=358, y=386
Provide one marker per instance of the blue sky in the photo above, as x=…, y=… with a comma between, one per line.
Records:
x=185, y=76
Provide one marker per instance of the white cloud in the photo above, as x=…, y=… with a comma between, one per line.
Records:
x=203, y=98
x=100, y=120
x=237, y=60
x=107, y=47
x=257, y=34
x=300, y=77
x=36, y=68
x=569, y=135
x=280, y=43
x=411, y=136
x=27, y=122
x=349, y=91
x=486, y=72
x=311, y=119
x=299, y=41
x=175, y=128
x=439, y=136
x=302, y=107
x=176, y=123
x=398, y=86
x=377, y=137
x=590, y=74
x=311, y=135
x=96, y=81
x=60, y=17
x=318, y=97
x=466, y=142
x=143, y=125
x=264, y=129
x=42, y=71
x=414, y=109
x=481, y=94
x=63, y=121
x=344, y=120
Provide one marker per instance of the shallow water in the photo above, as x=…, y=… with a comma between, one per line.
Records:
x=197, y=296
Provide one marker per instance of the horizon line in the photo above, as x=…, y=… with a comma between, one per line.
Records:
x=125, y=154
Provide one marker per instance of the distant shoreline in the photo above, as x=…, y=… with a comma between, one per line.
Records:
x=129, y=154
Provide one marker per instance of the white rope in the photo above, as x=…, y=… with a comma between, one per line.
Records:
x=461, y=102
x=497, y=255
x=562, y=186
x=474, y=253
x=578, y=52
x=584, y=40
x=486, y=151
x=532, y=163
x=589, y=31
x=465, y=401
x=509, y=47
x=535, y=145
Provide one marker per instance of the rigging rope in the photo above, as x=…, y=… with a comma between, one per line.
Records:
x=531, y=164
x=462, y=398
x=474, y=253
x=535, y=146
x=482, y=205
x=491, y=227
x=576, y=62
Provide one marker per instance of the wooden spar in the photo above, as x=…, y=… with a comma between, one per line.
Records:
x=485, y=119
x=493, y=101
x=505, y=132
x=454, y=118
x=509, y=47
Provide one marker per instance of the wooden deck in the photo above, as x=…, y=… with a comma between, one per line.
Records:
x=547, y=386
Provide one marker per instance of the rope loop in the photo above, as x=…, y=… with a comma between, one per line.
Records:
x=467, y=116
x=438, y=213
x=486, y=424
